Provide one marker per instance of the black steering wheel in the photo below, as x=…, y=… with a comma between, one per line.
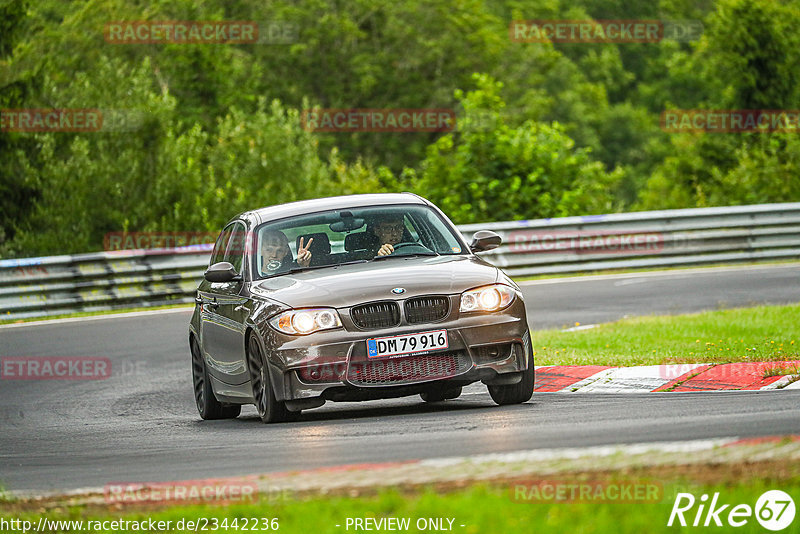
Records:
x=406, y=244
x=400, y=245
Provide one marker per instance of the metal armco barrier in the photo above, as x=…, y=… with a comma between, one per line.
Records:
x=34, y=287
x=666, y=238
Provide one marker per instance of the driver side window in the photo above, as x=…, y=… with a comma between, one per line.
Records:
x=234, y=252
x=218, y=254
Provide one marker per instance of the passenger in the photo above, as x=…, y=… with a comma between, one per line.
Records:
x=276, y=255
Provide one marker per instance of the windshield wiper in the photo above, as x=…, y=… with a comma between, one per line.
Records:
x=352, y=262
x=406, y=255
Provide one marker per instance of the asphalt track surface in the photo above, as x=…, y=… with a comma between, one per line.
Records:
x=605, y=298
x=140, y=424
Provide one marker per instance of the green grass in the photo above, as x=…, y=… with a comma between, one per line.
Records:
x=782, y=370
x=763, y=333
x=5, y=496
x=481, y=509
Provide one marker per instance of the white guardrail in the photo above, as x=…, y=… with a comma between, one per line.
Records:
x=36, y=287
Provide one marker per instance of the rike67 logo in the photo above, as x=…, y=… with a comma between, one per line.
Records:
x=774, y=510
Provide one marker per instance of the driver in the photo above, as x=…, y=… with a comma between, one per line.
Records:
x=389, y=230
x=275, y=253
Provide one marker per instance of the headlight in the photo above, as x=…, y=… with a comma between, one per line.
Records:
x=487, y=299
x=302, y=322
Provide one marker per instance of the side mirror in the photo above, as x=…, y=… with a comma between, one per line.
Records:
x=484, y=240
x=222, y=272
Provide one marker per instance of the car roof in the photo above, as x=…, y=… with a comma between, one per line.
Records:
x=302, y=207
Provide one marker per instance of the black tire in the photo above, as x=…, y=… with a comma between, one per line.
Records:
x=270, y=410
x=207, y=404
x=441, y=395
x=517, y=393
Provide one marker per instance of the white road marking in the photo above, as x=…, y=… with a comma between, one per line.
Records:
x=475, y=389
x=793, y=385
x=630, y=281
x=65, y=320
x=581, y=327
x=600, y=375
x=638, y=379
x=778, y=384
x=674, y=272
x=538, y=455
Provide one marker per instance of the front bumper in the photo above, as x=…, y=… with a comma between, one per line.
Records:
x=333, y=365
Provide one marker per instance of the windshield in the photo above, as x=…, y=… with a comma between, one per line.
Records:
x=336, y=237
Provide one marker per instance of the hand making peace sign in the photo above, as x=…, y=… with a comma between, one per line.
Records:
x=303, y=254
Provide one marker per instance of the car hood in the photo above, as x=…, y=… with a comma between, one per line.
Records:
x=347, y=285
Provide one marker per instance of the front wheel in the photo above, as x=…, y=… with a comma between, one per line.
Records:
x=515, y=393
x=207, y=404
x=270, y=410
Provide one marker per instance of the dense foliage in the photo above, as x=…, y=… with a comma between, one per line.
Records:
x=544, y=129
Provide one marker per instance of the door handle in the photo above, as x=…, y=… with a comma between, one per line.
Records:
x=213, y=304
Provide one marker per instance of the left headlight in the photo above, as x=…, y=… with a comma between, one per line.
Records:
x=487, y=299
x=307, y=321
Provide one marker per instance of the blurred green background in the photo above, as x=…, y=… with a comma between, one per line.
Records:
x=546, y=130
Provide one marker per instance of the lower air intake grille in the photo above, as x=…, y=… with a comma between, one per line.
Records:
x=408, y=369
x=491, y=353
x=427, y=309
x=376, y=315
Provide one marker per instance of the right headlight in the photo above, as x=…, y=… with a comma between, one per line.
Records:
x=487, y=299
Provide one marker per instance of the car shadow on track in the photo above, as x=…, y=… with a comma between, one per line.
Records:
x=334, y=412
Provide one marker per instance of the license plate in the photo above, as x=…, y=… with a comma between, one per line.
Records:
x=381, y=347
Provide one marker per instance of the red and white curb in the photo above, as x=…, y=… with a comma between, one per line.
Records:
x=740, y=376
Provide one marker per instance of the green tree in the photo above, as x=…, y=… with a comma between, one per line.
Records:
x=248, y=160
x=489, y=171
x=17, y=193
x=149, y=172
x=749, y=59
x=94, y=182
